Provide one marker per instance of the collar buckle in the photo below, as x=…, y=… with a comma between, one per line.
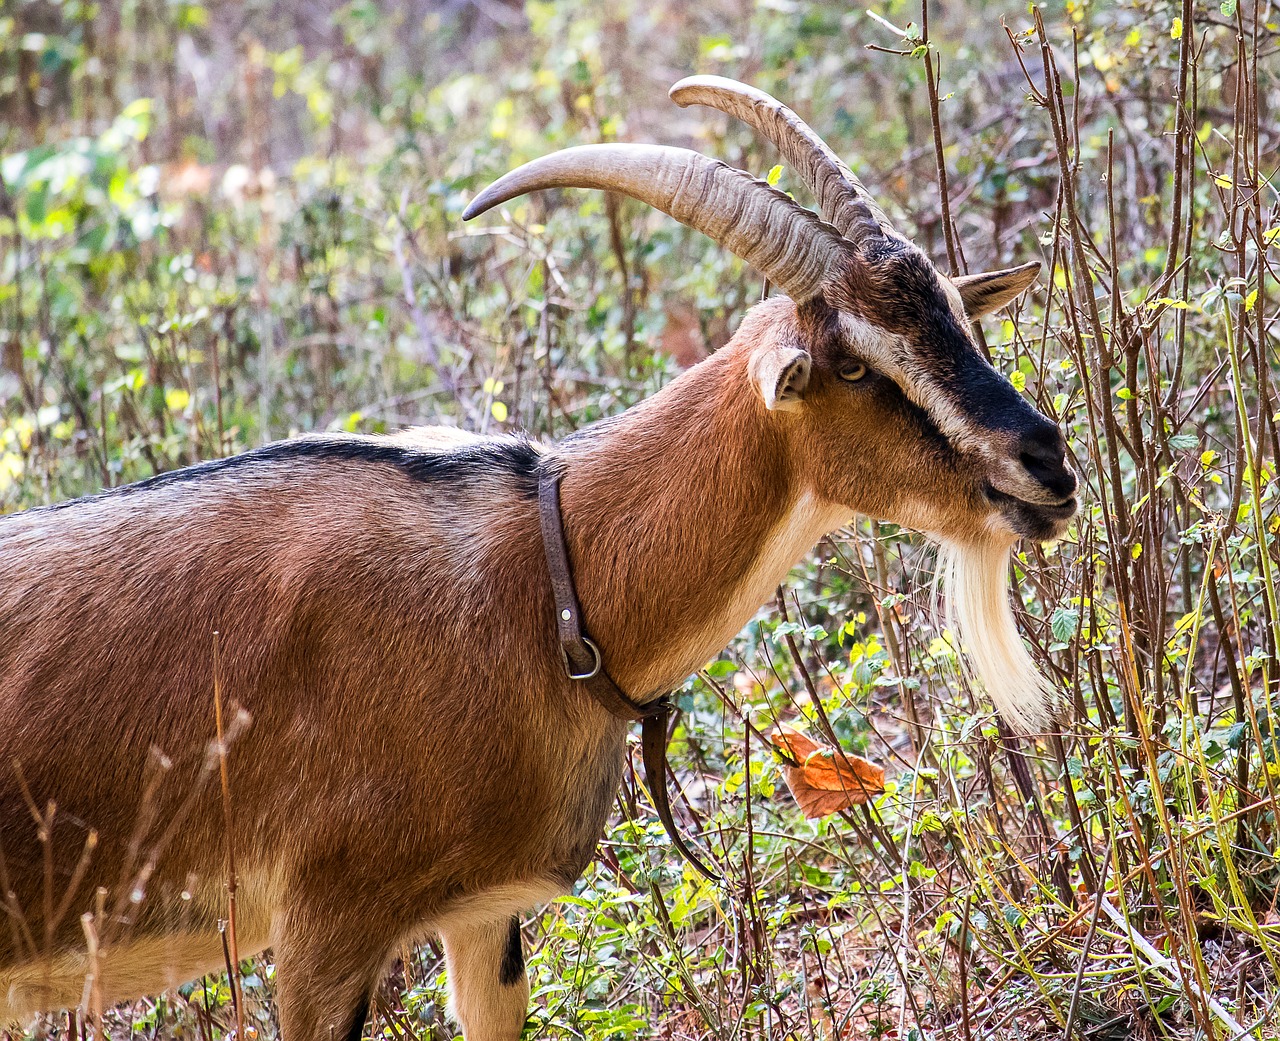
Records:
x=597, y=664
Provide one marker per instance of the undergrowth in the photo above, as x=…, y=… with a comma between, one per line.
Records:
x=221, y=224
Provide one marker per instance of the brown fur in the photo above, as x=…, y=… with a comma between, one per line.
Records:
x=413, y=758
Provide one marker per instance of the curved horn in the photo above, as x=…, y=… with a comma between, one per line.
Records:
x=842, y=199
x=790, y=245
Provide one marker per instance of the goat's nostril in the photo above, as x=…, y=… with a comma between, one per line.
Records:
x=1043, y=446
x=1054, y=476
x=1043, y=456
x=1043, y=464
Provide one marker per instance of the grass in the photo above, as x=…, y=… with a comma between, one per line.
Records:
x=221, y=226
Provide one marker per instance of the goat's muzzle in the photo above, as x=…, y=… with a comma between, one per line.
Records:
x=1033, y=520
x=1035, y=492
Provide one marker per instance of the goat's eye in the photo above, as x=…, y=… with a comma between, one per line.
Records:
x=852, y=371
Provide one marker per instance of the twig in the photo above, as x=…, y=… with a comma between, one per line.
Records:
x=1172, y=969
x=1088, y=942
x=229, y=936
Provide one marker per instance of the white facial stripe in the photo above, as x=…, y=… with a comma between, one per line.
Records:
x=886, y=351
x=890, y=353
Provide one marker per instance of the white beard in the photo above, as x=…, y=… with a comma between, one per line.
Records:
x=976, y=578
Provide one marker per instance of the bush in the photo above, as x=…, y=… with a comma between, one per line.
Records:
x=223, y=224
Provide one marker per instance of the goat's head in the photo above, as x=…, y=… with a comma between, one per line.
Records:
x=888, y=404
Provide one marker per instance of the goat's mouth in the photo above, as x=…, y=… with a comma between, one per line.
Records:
x=1033, y=520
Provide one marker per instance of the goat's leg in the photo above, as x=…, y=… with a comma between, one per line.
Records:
x=328, y=963
x=488, y=988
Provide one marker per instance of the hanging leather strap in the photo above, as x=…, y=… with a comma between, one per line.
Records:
x=584, y=664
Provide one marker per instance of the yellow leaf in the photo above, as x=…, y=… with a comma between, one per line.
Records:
x=1176, y=29
x=499, y=411
x=11, y=468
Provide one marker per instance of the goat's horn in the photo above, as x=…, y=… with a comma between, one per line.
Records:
x=788, y=244
x=841, y=197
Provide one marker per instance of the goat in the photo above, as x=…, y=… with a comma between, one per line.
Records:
x=411, y=756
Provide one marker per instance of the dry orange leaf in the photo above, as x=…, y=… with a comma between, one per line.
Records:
x=826, y=779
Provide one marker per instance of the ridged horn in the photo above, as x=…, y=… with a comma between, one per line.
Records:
x=788, y=244
x=842, y=199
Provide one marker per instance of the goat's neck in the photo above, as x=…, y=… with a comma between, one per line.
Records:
x=682, y=515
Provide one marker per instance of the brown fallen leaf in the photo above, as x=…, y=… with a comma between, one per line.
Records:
x=824, y=779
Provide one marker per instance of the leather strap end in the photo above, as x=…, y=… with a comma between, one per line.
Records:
x=653, y=747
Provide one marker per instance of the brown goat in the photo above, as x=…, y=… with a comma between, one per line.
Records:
x=408, y=755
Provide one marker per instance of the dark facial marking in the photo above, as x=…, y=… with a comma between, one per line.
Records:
x=1032, y=520
x=901, y=291
x=929, y=436
x=515, y=457
x=511, y=971
x=819, y=325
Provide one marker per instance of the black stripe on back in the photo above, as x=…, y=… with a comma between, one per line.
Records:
x=514, y=457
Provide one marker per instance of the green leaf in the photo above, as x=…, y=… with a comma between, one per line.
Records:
x=37, y=207
x=1228, y=8
x=1064, y=623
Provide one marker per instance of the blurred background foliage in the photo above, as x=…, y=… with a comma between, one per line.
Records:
x=222, y=223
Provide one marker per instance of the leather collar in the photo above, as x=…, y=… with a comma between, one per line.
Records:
x=584, y=663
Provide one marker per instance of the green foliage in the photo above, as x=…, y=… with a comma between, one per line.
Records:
x=216, y=232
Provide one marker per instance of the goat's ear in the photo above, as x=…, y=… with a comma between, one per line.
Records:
x=781, y=374
x=991, y=290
